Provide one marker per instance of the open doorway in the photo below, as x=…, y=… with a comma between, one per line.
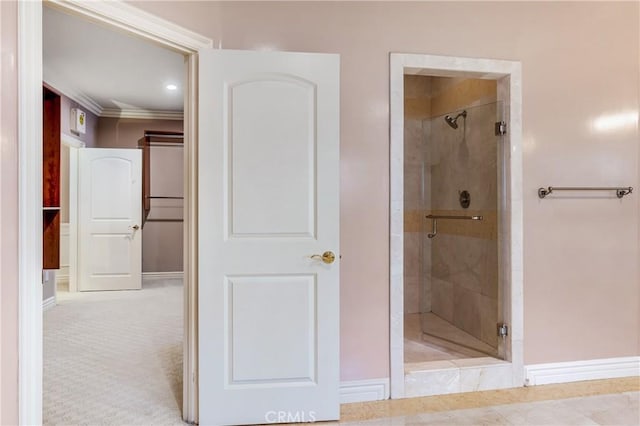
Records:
x=117, y=351
x=317, y=358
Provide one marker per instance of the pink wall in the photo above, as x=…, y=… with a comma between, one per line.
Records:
x=580, y=60
x=161, y=241
x=8, y=215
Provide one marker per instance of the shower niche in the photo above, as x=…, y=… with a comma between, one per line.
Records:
x=451, y=206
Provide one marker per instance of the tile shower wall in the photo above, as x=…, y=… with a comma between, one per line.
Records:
x=417, y=107
x=450, y=276
x=463, y=275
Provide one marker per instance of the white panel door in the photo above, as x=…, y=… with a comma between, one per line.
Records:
x=268, y=201
x=109, y=213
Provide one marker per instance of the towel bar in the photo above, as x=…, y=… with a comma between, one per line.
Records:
x=621, y=191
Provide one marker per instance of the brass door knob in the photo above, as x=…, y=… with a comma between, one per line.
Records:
x=327, y=257
x=135, y=227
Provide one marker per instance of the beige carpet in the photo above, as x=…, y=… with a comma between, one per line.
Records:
x=114, y=358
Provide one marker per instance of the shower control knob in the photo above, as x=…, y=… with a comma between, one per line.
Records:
x=465, y=199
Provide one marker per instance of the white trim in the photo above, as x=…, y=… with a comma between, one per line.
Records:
x=30, y=213
x=73, y=218
x=142, y=114
x=190, y=400
x=396, y=226
x=48, y=303
x=575, y=371
x=364, y=390
x=138, y=23
x=78, y=97
x=177, y=275
x=62, y=275
x=117, y=14
x=508, y=74
x=71, y=141
x=95, y=108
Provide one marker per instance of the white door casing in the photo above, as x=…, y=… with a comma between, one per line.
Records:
x=268, y=200
x=109, y=214
x=113, y=14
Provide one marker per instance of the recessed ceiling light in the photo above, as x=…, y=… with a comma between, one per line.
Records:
x=172, y=87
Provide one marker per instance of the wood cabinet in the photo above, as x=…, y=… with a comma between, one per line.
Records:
x=50, y=179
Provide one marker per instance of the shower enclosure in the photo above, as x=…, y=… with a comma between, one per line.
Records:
x=459, y=291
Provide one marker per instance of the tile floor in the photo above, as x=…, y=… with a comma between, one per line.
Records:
x=456, y=344
x=599, y=402
x=619, y=409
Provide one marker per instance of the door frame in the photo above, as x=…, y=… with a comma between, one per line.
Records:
x=508, y=75
x=74, y=144
x=122, y=17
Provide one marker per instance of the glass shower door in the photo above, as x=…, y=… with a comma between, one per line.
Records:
x=460, y=297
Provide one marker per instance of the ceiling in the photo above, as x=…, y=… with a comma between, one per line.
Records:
x=109, y=72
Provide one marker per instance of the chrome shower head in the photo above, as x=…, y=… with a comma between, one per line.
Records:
x=453, y=121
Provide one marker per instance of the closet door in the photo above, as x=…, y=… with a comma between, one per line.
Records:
x=109, y=213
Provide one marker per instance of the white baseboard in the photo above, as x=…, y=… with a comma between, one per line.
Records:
x=48, y=303
x=575, y=371
x=177, y=275
x=62, y=279
x=364, y=390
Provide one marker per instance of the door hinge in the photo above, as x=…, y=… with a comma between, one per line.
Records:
x=501, y=128
x=503, y=330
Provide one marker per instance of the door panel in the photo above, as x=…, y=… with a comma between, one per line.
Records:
x=111, y=180
x=272, y=122
x=268, y=200
x=286, y=307
x=110, y=249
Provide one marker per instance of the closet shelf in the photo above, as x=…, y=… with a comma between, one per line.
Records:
x=164, y=198
x=51, y=213
x=155, y=139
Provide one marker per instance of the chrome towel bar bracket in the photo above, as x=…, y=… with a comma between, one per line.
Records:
x=620, y=191
x=434, y=221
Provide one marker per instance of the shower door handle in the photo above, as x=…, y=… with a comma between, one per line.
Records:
x=327, y=257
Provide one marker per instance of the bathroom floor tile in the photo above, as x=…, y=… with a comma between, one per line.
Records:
x=604, y=402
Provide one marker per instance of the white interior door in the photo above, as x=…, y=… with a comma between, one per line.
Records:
x=109, y=213
x=268, y=201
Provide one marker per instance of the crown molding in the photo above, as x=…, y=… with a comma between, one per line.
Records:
x=94, y=107
x=142, y=114
x=84, y=100
x=121, y=15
